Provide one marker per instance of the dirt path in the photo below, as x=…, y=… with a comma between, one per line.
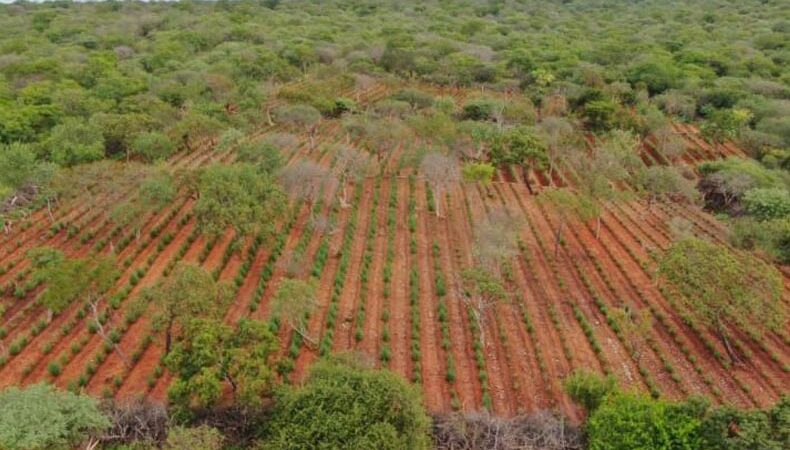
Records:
x=344, y=328
x=436, y=390
x=467, y=383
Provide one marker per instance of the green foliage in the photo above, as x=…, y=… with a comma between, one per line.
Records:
x=478, y=172
x=599, y=114
x=771, y=237
x=329, y=412
x=41, y=417
x=211, y=355
x=152, y=146
x=631, y=421
x=265, y=156
x=720, y=286
x=725, y=124
x=588, y=389
x=521, y=146
x=481, y=109
x=75, y=142
x=69, y=279
x=766, y=204
x=198, y=438
x=728, y=428
x=237, y=196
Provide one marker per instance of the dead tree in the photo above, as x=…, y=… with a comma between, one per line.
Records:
x=441, y=172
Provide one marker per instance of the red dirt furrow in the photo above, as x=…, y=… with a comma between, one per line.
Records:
x=371, y=338
x=323, y=294
x=762, y=364
x=467, y=383
x=500, y=384
x=621, y=294
x=539, y=294
x=632, y=276
x=583, y=354
x=344, y=329
x=511, y=331
x=437, y=393
x=400, y=331
x=114, y=366
x=77, y=332
x=616, y=355
x=78, y=363
x=247, y=290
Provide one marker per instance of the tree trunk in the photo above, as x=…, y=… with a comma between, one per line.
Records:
x=727, y=346
x=49, y=211
x=598, y=228
x=525, y=174
x=437, y=201
x=557, y=238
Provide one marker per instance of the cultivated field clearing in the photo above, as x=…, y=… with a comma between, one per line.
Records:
x=389, y=288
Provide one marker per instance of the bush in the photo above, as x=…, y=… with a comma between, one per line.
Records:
x=480, y=109
x=589, y=389
x=152, y=146
x=631, y=421
x=765, y=204
x=68, y=418
x=328, y=409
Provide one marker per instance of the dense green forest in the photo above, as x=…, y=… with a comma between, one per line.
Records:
x=85, y=84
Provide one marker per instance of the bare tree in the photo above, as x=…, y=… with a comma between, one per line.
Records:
x=301, y=117
x=560, y=137
x=441, y=172
x=668, y=143
x=496, y=240
x=351, y=165
x=306, y=180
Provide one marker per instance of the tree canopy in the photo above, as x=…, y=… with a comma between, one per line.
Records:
x=327, y=411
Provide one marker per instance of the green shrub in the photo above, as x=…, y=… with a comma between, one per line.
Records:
x=328, y=409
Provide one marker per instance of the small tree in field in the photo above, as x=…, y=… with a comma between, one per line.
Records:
x=496, y=240
x=188, y=293
x=441, y=172
x=522, y=147
x=567, y=204
x=560, y=137
x=303, y=117
x=237, y=196
x=723, y=288
x=351, y=165
x=478, y=173
x=68, y=279
x=482, y=291
x=665, y=183
x=293, y=302
x=306, y=180
x=635, y=326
